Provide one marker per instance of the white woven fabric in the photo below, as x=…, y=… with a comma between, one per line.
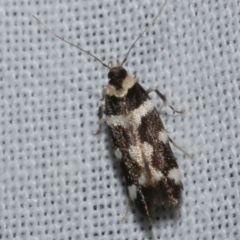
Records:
x=57, y=180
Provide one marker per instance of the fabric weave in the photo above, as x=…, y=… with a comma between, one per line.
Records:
x=57, y=180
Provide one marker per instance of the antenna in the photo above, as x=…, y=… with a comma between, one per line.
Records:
x=145, y=30
x=71, y=44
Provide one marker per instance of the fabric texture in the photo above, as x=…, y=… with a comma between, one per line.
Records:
x=58, y=180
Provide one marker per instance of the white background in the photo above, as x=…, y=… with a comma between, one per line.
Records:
x=57, y=180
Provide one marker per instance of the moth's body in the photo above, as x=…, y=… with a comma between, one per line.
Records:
x=141, y=143
x=139, y=139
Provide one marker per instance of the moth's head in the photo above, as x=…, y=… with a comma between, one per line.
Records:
x=116, y=74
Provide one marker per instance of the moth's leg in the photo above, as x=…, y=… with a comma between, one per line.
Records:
x=126, y=209
x=176, y=146
x=165, y=102
x=136, y=78
x=100, y=116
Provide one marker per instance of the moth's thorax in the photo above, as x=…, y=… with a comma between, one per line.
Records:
x=119, y=82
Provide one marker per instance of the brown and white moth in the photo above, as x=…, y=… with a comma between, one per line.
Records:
x=140, y=141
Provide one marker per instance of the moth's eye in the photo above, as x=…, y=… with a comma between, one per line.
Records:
x=110, y=75
x=122, y=73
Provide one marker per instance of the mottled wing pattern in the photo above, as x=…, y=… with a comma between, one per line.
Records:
x=141, y=144
x=164, y=177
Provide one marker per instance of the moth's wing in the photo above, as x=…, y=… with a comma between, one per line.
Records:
x=163, y=166
x=121, y=140
x=135, y=123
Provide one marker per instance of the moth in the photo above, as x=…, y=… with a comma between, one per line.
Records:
x=139, y=139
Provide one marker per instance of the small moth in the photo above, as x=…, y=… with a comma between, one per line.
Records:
x=140, y=141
